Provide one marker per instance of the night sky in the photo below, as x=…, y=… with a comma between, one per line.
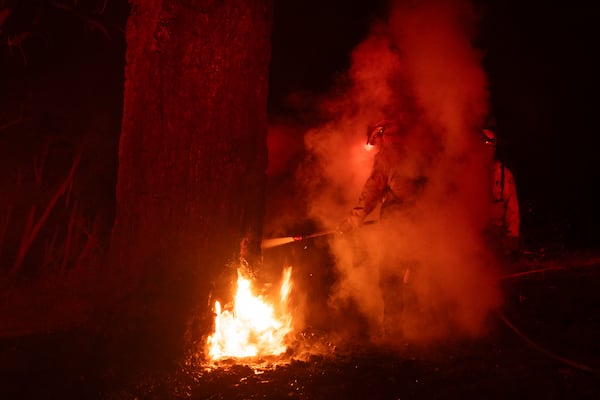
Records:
x=68, y=80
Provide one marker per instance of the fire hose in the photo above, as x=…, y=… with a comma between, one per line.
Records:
x=274, y=242
x=533, y=344
x=541, y=349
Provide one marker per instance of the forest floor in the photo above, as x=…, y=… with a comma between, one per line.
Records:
x=544, y=345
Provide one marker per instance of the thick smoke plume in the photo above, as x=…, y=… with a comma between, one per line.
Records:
x=418, y=67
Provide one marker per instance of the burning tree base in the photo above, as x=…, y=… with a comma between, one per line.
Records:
x=253, y=328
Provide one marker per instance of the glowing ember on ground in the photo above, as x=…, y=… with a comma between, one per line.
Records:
x=254, y=327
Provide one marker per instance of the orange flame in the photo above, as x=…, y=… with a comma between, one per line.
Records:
x=253, y=327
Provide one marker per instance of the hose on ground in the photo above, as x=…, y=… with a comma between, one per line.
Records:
x=535, y=345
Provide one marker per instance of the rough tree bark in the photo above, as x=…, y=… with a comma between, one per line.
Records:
x=192, y=153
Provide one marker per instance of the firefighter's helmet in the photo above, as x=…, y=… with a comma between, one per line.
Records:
x=376, y=131
x=489, y=137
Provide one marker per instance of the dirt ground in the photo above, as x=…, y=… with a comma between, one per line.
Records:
x=544, y=344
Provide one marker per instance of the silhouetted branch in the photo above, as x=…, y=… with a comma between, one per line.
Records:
x=16, y=41
x=31, y=232
x=18, y=120
x=69, y=237
x=14, y=37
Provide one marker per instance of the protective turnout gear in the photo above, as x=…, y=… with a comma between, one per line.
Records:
x=504, y=214
x=396, y=181
x=505, y=206
x=349, y=224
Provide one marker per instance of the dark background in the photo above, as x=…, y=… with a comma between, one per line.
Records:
x=542, y=73
x=61, y=85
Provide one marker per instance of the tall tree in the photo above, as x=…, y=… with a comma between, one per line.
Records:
x=192, y=155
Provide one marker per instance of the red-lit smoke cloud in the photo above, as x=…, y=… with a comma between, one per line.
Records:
x=420, y=67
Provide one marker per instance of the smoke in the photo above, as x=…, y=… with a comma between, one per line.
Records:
x=420, y=68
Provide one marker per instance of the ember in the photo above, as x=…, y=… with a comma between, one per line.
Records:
x=253, y=327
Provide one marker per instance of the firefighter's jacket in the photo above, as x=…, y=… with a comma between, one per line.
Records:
x=396, y=181
x=505, y=205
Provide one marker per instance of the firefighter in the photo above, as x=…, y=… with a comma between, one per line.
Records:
x=396, y=179
x=504, y=223
x=395, y=183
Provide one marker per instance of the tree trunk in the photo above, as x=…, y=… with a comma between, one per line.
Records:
x=192, y=153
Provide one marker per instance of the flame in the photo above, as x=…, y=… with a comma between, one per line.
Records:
x=253, y=327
